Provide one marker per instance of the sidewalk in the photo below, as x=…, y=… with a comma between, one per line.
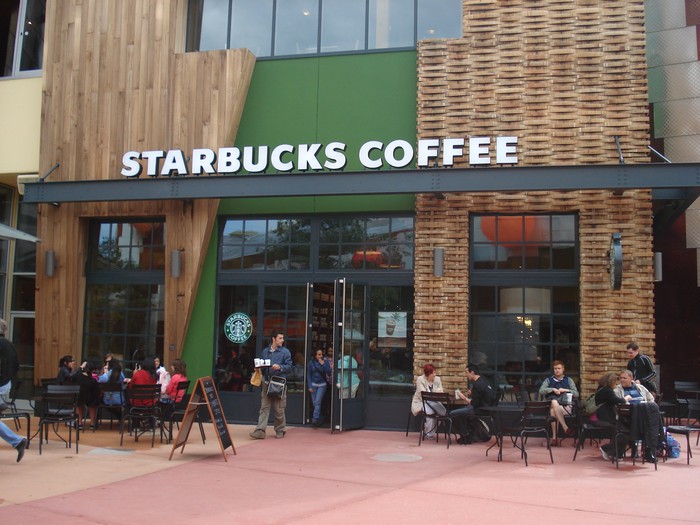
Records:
x=312, y=477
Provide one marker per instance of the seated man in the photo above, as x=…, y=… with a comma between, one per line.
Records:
x=481, y=394
x=647, y=418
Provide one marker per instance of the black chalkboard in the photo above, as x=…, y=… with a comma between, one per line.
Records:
x=204, y=393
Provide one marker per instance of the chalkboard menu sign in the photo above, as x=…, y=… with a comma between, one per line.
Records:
x=204, y=393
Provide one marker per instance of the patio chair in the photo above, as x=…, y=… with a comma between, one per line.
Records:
x=112, y=410
x=693, y=425
x=443, y=422
x=178, y=409
x=534, y=421
x=142, y=412
x=59, y=405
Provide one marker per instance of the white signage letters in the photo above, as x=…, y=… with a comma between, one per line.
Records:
x=286, y=158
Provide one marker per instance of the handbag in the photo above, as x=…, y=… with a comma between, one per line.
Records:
x=256, y=378
x=276, y=386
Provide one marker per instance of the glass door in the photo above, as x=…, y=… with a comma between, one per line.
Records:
x=348, y=390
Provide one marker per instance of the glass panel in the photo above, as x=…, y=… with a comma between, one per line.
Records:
x=564, y=256
x=391, y=341
x=378, y=230
x=33, y=38
x=439, y=19
x=6, y=203
x=23, y=339
x=234, y=361
x=251, y=26
x=300, y=230
x=483, y=299
x=300, y=258
x=9, y=14
x=328, y=258
x=330, y=230
x=296, y=30
x=343, y=25
x=214, y=25
x=23, y=293
x=391, y=23
x=25, y=251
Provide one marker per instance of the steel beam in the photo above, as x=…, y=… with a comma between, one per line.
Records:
x=531, y=178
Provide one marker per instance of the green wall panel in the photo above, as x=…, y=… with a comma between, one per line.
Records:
x=198, y=350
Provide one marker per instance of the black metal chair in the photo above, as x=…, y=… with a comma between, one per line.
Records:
x=176, y=411
x=534, y=422
x=623, y=429
x=142, y=412
x=112, y=390
x=683, y=391
x=693, y=425
x=59, y=405
x=443, y=422
x=589, y=430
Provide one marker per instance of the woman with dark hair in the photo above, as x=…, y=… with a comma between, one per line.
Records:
x=606, y=399
x=68, y=371
x=428, y=382
x=317, y=374
x=145, y=375
x=114, y=376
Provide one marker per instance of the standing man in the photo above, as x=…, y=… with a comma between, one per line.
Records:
x=642, y=367
x=280, y=365
x=9, y=365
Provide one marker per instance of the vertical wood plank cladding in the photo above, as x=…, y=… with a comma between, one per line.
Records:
x=115, y=80
x=565, y=77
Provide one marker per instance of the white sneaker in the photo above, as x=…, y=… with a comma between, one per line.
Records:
x=605, y=455
x=430, y=435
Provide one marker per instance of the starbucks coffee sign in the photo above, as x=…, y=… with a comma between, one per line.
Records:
x=238, y=328
x=286, y=158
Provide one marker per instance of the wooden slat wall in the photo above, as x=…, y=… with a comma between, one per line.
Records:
x=565, y=77
x=115, y=80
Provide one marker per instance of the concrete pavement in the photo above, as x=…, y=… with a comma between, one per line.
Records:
x=312, y=477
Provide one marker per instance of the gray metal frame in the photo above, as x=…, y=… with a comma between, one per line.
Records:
x=566, y=178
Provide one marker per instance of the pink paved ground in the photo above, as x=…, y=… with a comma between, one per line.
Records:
x=313, y=477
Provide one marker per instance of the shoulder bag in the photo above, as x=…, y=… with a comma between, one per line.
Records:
x=276, y=386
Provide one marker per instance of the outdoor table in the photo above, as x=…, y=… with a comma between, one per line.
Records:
x=502, y=416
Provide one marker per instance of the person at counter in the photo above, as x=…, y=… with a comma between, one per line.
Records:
x=555, y=389
x=428, y=382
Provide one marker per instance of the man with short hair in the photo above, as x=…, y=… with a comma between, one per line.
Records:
x=280, y=365
x=481, y=393
x=642, y=367
x=9, y=365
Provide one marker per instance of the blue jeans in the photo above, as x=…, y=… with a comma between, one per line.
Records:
x=317, y=393
x=9, y=436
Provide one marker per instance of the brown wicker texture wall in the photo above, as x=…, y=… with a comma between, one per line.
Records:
x=565, y=77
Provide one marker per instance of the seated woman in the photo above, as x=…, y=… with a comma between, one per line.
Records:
x=428, y=382
x=144, y=375
x=606, y=399
x=68, y=371
x=89, y=395
x=112, y=374
x=317, y=373
x=178, y=372
x=553, y=389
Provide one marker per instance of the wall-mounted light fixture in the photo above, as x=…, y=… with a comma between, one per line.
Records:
x=438, y=262
x=658, y=267
x=49, y=263
x=175, y=263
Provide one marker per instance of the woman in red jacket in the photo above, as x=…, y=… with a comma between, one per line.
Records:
x=178, y=372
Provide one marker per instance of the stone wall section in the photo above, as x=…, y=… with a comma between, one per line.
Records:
x=566, y=78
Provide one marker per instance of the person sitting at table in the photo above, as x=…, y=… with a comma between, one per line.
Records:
x=178, y=372
x=68, y=371
x=647, y=420
x=144, y=375
x=553, y=389
x=481, y=394
x=606, y=399
x=428, y=382
x=112, y=374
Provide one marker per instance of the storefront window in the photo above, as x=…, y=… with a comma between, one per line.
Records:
x=21, y=36
x=521, y=317
x=298, y=27
x=124, y=307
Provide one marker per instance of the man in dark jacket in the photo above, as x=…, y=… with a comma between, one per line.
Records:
x=9, y=365
x=642, y=367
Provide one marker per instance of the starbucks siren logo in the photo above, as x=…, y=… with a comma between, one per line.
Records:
x=238, y=328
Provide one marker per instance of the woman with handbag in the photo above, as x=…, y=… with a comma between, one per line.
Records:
x=561, y=391
x=317, y=373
